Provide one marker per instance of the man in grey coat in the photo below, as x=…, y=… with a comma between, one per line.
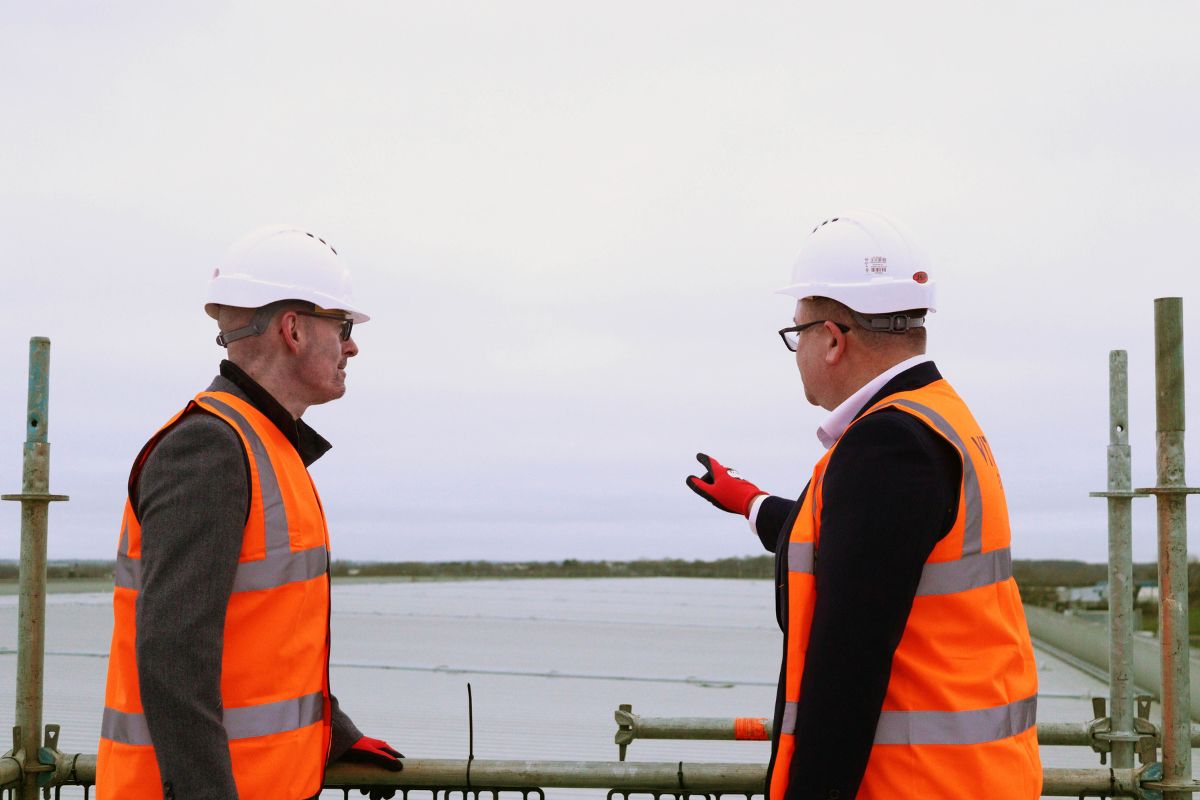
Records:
x=282, y=301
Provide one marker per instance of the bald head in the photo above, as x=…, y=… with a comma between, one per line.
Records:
x=246, y=351
x=249, y=350
x=837, y=355
x=297, y=355
x=905, y=344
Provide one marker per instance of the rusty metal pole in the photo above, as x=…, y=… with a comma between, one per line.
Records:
x=1120, y=496
x=35, y=499
x=1171, y=496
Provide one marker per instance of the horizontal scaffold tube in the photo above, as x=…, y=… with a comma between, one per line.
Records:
x=10, y=770
x=422, y=772
x=717, y=778
x=632, y=726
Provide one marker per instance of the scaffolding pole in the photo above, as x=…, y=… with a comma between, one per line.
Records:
x=1171, y=495
x=1120, y=734
x=31, y=637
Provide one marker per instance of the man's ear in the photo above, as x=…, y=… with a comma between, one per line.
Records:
x=289, y=330
x=835, y=348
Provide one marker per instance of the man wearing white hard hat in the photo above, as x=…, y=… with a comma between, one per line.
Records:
x=218, y=680
x=907, y=667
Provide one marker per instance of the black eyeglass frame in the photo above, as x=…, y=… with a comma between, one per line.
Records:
x=798, y=329
x=347, y=323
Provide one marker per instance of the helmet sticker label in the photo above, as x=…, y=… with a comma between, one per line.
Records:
x=921, y=277
x=875, y=265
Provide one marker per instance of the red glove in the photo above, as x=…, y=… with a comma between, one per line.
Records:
x=374, y=751
x=723, y=487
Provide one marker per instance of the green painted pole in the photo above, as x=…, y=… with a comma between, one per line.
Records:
x=35, y=499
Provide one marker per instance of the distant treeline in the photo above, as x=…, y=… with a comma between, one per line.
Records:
x=1075, y=573
x=751, y=567
x=1028, y=573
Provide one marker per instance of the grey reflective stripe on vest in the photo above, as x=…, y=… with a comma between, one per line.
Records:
x=800, y=557
x=973, y=513
x=957, y=727
x=118, y=726
x=788, y=723
x=268, y=718
x=240, y=723
x=281, y=565
x=966, y=573
x=281, y=568
x=975, y=568
x=944, y=727
x=128, y=571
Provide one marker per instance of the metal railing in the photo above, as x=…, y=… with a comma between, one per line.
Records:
x=34, y=766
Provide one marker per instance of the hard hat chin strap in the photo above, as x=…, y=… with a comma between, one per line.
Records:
x=888, y=323
x=258, y=324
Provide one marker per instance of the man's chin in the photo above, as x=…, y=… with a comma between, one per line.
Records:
x=338, y=389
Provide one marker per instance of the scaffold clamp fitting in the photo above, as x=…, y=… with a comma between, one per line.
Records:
x=1143, y=786
x=1099, y=730
x=1151, y=786
x=35, y=497
x=1148, y=734
x=1127, y=494
x=51, y=761
x=625, y=735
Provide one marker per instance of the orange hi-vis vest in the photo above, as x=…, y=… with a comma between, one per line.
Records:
x=958, y=717
x=275, y=659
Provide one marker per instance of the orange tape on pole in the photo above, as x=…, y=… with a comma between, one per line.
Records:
x=750, y=728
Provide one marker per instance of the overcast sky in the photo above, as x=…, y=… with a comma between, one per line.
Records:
x=567, y=220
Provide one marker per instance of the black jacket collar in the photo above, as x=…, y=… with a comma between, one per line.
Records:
x=308, y=443
x=912, y=378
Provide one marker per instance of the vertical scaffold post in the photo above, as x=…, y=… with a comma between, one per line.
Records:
x=1120, y=496
x=1171, y=495
x=35, y=499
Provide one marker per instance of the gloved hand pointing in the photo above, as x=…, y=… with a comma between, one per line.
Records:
x=723, y=487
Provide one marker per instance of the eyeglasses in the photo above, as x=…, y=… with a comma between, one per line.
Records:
x=791, y=336
x=346, y=323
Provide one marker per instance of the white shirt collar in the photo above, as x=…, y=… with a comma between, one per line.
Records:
x=840, y=418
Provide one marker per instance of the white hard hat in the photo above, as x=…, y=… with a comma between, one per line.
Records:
x=865, y=261
x=281, y=262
